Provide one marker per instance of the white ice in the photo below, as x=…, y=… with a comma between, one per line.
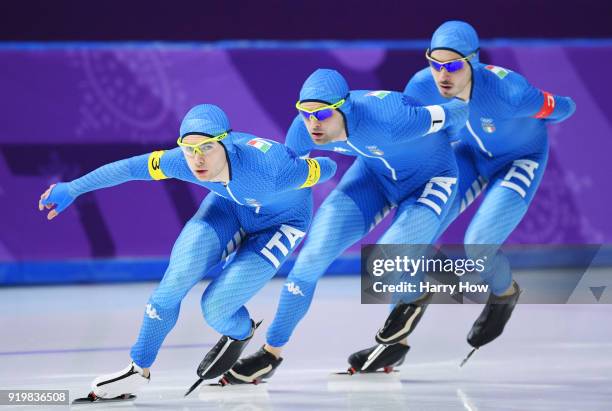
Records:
x=551, y=357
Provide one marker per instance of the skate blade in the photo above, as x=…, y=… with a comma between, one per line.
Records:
x=355, y=373
x=194, y=386
x=91, y=398
x=468, y=357
x=224, y=382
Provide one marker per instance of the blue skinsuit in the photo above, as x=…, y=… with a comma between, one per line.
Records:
x=398, y=164
x=503, y=148
x=262, y=213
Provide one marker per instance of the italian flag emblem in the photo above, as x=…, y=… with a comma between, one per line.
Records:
x=380, y=94
x=260, y=144
x=499, y=72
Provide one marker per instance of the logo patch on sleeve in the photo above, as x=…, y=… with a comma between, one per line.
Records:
x=154, y=165
x=380, y=94
x=260, y=144
x=498, y=71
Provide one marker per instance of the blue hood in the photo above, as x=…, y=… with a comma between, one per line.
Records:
x=457, y=36
x=327, y=86
x=208, y=119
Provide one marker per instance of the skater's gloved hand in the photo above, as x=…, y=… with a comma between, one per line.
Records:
x=57, y=198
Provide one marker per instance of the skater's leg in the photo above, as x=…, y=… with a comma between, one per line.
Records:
x=503, y=208
x=256, y=262
x=198, y=248
x=418, y=222
x=499, y=214
x=343, y=218
x=501, y=211
x=470, y=185
x=352, y=209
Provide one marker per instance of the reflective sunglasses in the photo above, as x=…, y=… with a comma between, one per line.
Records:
x=199, y=148
x=450, y=66
x=319, y=113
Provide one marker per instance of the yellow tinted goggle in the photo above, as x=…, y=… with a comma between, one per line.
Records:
x=196, y=148
x=319, y=113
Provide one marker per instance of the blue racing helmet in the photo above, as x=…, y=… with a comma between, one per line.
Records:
x=326, y=86
x=207, y=120
x=457, y=36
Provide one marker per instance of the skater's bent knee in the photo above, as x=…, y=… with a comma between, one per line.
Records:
x=216, y=314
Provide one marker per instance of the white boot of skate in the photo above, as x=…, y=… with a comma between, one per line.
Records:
x=127, y=381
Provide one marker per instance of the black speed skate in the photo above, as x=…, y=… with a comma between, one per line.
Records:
x=221, y=357
x=492, y=320
x=402, y=320
x=252, y=369
x=378, y=357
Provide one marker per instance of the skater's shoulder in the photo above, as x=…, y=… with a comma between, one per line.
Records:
x=421, y=90
x=261, y=158
x=380, y=109
x=506, y=85
x=421, y=79
x=254, y=147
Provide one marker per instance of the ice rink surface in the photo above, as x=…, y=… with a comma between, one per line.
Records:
x=551, y=357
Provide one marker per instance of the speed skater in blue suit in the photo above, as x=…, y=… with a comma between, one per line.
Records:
x=402, y=161
x=258, y=211
x=502, y=152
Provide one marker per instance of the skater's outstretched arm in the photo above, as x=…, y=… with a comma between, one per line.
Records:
x=405, y=118
x=525, y=100
x=424, y=120
x=296, y=173
x=157, y=165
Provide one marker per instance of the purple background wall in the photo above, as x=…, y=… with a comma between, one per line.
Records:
x=197, y=20
x=67, y=110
